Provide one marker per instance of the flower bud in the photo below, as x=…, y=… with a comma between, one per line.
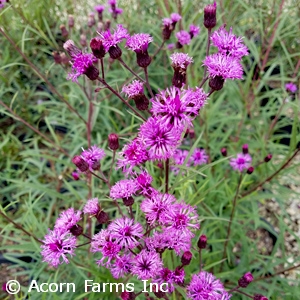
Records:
x=115, y=52
x=141, y=102
x=259, y=297
x=210, y=16
x=102, y=217
x=92, y=73
x=186, y=258
x=128, y=201
x=97, y=47
x=96, y=165
x=224, y=152
x=268, y=158
x=64, y=31
x=113, y=141
x=202, y=242
x=245, y=148
x=80, y=163
x=143, y=59
x=76, y=230
x=70, y=47
x=250, y=170
x=216, y=83
x=75, y=176
x=71, y=21
x=245, y=280
x=128, y=295
x=56, y=57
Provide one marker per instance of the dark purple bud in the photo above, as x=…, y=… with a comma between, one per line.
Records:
x=186, y=258
x=224, y=152
x=113, y=141
x=192, y=133
x=141, y=102
x=210, y=16
x=115, y=52
x=166, y=32
x=92, y=72
x=76, y=230
x=102, y=217
x=70, y=47
x=97, y=47
x=96, y=165
x=71, y=21
x=179, y=78
x=64, y=31
x=245, y=280
x=259, y=297
x=128, y=201
x=245, y=148
x=56, y=57
x=75, y=175
x=143, y=59
x=202, y=242
x=128, y=295
x=80, y=163
x=250, y=170
x=268, y=158
x=216, y=83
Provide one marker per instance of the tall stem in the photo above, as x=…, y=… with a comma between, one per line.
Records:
x=231, y=218
x=157, y=51
x=147, y=83
x=121, y=98
x=51, y=87
x=207, y=52
x=129, y=69
x=167, y=167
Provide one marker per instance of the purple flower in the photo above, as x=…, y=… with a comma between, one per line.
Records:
x=177, y=107
x=179, y=158
x=223, y=66
x=194, y=30
x=57, y=245
x=241, y=162
x=229, y=44
x=182, y=218
x=181, y=60
x=111, y=40
x=92, y=156
x=183, y=37
x=156, y=206
x=2, y=3
x=117, y=11
x=205, y=286
x=161, y=140
x=123, y=189
x=92, y=207
x=175, y=17
x=165, y=276
x=143, y=181
x=133, y=89
x=167, y=22
x=82, y=64
x=67, y=219
x=112, y=2
x=199, y=157
x=99, y=240
x=125, y=232
x=132, y=155
x=146, y=265
x=171, y=46
x=178, y=276
x=139, y=42
x=121, y=266
x=291, y=87
x=110, y=250
x=99, y=8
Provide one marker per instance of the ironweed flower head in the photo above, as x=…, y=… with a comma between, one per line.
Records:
x=92, y=156
x=167, y=28
x=194, y=30
x=133, y=89
x=199, y=157
x=92, y=207
x=205, y=286
x=175, y=17
x=56, y=245
x=160, y=140
x=125, y=232
x=123, y=189
x=177, y=107
x=146, y=265
x=67, y=219
x=99, y=240
x=183, y=38
x=179, y=158
x=99, y=8
x=291, y=87
x=241, y=162
x=121, y=266
x=2, y=3
x=180, y=62
x=132, y=154
x=97, y=47
x=139, y=42
x=229, y=44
